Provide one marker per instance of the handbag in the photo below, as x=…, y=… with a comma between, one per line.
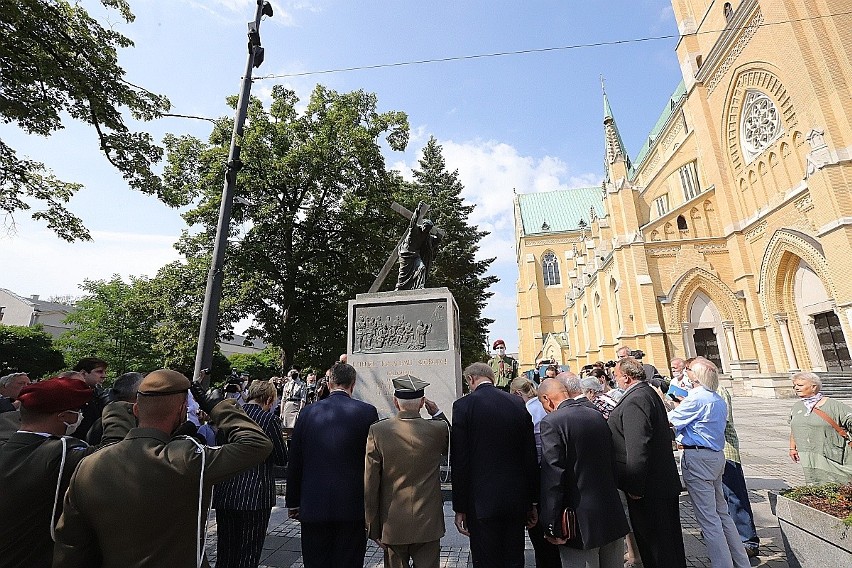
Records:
x=830, y=450
x=840, y=431
x=569, y=524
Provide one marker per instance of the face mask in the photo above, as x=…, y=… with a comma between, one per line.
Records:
x=501, y=350
x=71, y=428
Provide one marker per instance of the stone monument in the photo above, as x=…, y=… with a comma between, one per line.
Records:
x=407, y=331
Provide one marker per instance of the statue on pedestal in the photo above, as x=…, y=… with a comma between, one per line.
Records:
x=416, y=252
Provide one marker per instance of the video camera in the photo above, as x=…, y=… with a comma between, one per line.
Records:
x=234, y=382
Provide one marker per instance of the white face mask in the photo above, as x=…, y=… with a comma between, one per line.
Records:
x=72, y=427
x=501, y=351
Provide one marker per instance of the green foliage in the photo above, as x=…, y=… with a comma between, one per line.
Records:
x=832, y=498
x=456, y=266
x=113, y=321
x=56, y=61
x=317, y=227
x=263, y=365
x=29, y=350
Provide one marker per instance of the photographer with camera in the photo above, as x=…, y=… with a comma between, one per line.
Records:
x=652, y=375
x=235, y=387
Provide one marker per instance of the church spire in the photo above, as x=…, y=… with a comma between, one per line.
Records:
x=615, y=149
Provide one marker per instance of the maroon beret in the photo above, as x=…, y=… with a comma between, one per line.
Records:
x=55, y=395
x=499, y=342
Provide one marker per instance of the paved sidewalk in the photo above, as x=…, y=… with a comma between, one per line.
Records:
x=764, y=438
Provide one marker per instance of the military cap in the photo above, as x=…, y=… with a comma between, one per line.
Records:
x=163, y=382
x=407, y=387
x=499, y=342
x=55, y=395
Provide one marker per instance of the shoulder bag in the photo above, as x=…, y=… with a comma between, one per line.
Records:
x=831, y=451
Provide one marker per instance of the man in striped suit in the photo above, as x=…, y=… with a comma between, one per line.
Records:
x=243, y=503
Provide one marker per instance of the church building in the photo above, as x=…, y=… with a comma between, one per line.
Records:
x=729, y=233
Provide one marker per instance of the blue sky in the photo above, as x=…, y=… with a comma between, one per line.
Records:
x=528, y=122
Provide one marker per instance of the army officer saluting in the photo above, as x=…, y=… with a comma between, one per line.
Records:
x=144, y=501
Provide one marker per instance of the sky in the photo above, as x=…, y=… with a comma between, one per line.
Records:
x=512, y=123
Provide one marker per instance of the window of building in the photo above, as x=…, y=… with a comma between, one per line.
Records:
x=760, y=124
x=550, y=269
x=681, y=223
x=729, y=12
x=689, y=181
x=662, y=204
x=2, y=309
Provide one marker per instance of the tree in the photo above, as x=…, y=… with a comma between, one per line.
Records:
x=56, y=60
x=312, y=225
x=456, y=266
x=28, y=350
x=113, y=321
x=263, y=365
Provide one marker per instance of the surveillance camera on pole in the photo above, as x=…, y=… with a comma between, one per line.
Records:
x=208, y=332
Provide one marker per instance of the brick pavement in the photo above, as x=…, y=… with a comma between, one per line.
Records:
x=764, y=438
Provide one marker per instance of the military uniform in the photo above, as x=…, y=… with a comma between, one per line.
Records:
x=29, y=468
x=505, y=369
x=402, y=489
x=136, y=503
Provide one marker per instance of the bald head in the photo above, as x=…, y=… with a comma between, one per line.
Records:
x=551, y=393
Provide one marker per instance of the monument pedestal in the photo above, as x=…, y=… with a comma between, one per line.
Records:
x=412, y=332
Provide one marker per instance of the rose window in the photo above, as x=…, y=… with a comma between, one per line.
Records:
x=761, y=124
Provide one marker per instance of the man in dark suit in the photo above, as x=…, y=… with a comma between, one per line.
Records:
x=325, y=475
x=578, y=471
x=646, y=468
x=495, y=471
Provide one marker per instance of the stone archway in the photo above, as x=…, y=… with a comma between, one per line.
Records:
x=792, y=264
x=703, y=332
x=698, y=289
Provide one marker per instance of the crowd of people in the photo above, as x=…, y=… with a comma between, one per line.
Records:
x=126, y=476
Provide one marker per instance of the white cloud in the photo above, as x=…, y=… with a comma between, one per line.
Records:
x=492, y=172
x=37, y=262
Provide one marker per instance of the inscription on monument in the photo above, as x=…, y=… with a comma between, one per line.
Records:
x=400, y=327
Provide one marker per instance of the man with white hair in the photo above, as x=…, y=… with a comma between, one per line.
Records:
x=699, y=423
x=593, y=390
x=10, y=387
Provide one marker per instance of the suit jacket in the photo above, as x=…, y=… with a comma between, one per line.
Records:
x=494, y=467
x=29, y=469
x=643, y=444
x=325, y=474
x=254, y=488
x=578, y=471
x=135, y=503
x=402, y=485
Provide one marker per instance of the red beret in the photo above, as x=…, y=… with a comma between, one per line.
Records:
x=499, y=342
x=55, y=395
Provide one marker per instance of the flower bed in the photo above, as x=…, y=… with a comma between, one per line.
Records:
x=812, y=536
x=832, y=498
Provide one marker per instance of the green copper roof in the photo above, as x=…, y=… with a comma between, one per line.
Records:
x=680, y=91
x=557, y=211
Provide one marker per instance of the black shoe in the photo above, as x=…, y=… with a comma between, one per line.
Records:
x=752, y=551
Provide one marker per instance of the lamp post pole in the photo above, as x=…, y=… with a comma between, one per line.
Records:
x=208, y=333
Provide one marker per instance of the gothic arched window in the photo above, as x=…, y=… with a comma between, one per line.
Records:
x=729, y=12
x=550, y=269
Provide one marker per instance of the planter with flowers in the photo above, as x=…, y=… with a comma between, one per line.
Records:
x=816, y=524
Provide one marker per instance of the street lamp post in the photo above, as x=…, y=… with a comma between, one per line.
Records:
x=208, y=332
